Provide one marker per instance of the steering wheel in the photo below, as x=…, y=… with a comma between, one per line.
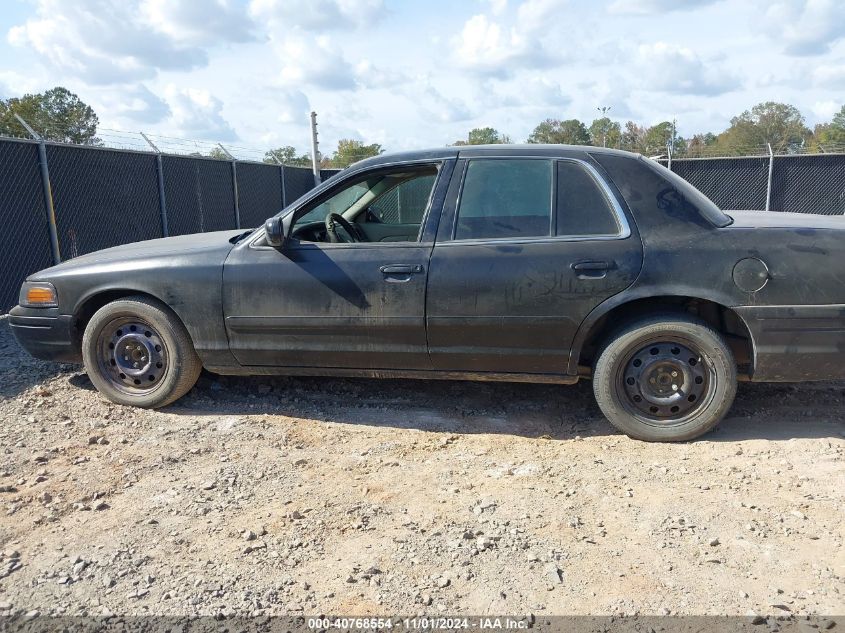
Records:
x=335, y=219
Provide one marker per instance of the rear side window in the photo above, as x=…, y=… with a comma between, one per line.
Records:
x=582, y=206
x=505, y=198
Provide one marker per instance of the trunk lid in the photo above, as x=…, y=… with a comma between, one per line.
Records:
x=783, y=220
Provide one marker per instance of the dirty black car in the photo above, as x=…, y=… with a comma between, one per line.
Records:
x=517, y=263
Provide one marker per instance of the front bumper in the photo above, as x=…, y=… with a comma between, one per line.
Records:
x=46, y=334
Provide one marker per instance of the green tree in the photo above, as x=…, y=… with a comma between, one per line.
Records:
x=657, y=138
x=287, y=155
x=839, y=119
x=680, y=148
x=218, y=154
x=700, y=144
x=568, y=132
x=57, y=114
x=632, y=137
x=350, y=151
x=485, y=136
x=779, y=124
x=830, y=136
x=605, y=133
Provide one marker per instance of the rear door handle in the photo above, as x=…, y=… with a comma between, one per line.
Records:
x=401, y=269
x=591, y=270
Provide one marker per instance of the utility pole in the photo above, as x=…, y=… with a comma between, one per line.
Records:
x=674, y=125
x=236, y=199
x=162, y=199
x=315, y=151
x=769, y=182
x=46, y=189
x=604, y=110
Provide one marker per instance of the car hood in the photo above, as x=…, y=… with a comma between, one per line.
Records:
x=209, y=247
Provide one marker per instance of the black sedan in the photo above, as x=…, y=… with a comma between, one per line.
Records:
x=520, y=263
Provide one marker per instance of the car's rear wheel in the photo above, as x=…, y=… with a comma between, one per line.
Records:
x=665, y=378
x=137, y=352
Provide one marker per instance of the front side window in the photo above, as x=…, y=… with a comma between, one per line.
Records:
x=377, y=207
x=405, y=203
x=338, y=203
x=505, y=198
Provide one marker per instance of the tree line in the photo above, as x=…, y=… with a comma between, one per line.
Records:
x=60, y=115
x=780, y=125
x=348, y=151
x=769, y=123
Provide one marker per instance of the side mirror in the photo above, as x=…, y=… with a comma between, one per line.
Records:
x=275, y=232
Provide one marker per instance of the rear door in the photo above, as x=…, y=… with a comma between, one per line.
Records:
x=526, y=248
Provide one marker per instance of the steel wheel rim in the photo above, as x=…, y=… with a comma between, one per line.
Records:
x=666, y=381
x=132, y=356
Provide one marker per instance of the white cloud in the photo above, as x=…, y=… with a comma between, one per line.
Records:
x=805, y=27
x=537, y=92
x=370, y=75
x=830, y=76
x=291, y=105
x=500, y=45
x=306, y=53
x=136, y=104
x=114, y=41
x=317, y=14
x=18, y=84
x=417, y=76
x=651, y=7
x=198, y=114
x=535, y=16
x=497, y=7
x=315, y=61
x=442, y=108
x=676, y=69
x=489, y=48
x=200, y=23
x=824, y=110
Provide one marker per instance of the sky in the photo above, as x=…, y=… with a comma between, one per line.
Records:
x=421, y=73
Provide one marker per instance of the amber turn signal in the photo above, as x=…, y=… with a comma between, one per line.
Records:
x=38, y=295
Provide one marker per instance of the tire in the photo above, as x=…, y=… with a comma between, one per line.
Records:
x=138, y=353
x=683, y=373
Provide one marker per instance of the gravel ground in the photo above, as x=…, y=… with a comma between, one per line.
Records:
x=307, y=495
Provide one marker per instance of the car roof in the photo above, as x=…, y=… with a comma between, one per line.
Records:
x=527, y=149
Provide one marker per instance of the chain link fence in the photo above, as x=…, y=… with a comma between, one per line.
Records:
x=105, y=197
x=25, y=246
x=108, y=197
x=809, y=184
x=731, y=183
x=259, y=188
x=199, y=195
x=806, y=183
x=102, y=198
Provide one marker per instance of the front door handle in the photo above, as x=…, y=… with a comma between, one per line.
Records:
x=591, y=270
x=401, y=269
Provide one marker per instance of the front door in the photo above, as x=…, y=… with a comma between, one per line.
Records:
x=339, y=298
x=529, y=248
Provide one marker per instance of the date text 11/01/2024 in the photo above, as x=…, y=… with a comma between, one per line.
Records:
x=419, y=623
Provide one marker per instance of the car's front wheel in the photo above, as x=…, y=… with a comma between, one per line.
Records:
x=665, y=378
x=137, y=352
